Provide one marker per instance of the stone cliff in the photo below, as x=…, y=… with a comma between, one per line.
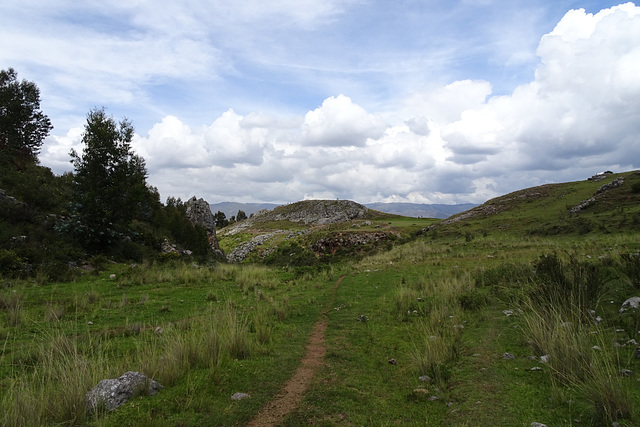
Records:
x=199, y=212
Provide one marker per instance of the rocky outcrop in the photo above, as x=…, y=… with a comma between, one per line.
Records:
x=316, y=212
x=307, y=212
x=600, y=191
x=244, y=249
x=109, y=394
x=199, y=212
x=330, y=245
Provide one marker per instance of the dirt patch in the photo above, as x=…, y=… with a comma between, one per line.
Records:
x=293, y=390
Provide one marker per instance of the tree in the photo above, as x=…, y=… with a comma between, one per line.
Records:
x=221, y=220
x=110, y=186
x=241, y=216
x=23, y=127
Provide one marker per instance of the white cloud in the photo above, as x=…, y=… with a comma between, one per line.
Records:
x=422, y=139
x=340, y=122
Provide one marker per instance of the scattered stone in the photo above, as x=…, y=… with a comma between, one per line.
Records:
x=545, y=358
x=508, y=312
x=508, y=356
x=363, y=318
x=112, y=276
x=159, y=330
x=596, y=347
x=475, y=355
x=536, y=368
x=633, y=302
x=425, y=378
x=89, y=322
x=239, y=396
x=632, y=342
x=392, y=361
x=535, y=424
x=432, y=398
x=109, y=394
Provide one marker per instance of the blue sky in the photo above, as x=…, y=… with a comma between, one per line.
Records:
x=284, y=100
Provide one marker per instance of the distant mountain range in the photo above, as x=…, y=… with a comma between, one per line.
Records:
x=415, y=210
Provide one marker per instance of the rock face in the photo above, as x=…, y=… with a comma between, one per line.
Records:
x=199, y=212
x=109, y=394
x=317, y=212
x=307, y=212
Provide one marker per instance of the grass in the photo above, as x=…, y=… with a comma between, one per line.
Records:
x=433, y=307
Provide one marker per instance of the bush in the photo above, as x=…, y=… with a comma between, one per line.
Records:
x=10, y=263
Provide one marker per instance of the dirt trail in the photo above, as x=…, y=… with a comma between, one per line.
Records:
x=293, y=390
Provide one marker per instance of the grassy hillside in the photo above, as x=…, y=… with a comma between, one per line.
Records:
x=508, y=316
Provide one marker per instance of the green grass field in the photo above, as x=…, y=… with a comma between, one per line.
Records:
x=447, y=327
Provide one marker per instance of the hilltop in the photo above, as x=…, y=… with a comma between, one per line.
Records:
x=415, y=210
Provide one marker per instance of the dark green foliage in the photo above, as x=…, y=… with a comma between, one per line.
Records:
x=23, y=127
x=110, y=188
x=630, y=266
x=221, y=219
x=574, y=286
x=171, y=221
x=10, y=263
x=291, y=255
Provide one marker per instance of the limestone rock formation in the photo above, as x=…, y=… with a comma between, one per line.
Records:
x=109, y=394
x=199, y=212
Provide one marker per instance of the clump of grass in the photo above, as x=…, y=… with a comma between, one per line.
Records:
x=54, y=313
x=558, y=324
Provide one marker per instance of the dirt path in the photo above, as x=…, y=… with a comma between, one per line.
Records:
x=293, y=390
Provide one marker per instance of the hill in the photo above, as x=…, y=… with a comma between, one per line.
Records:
x=605, y=203
x=312, y=231
x=415, y=210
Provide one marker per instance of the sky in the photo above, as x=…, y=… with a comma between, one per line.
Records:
x=421, y=101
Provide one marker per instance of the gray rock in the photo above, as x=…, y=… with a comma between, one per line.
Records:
x=633, y=302
x=508, y=356
x=199, y=212
x=109, y=394
x=239, y=396
x=534, y=424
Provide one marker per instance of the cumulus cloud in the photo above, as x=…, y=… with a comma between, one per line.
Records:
x=340, y=122
x=448, y=143
x=577, y=110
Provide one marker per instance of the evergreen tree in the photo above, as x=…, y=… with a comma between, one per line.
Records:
x=23, y=127
x=110, y=186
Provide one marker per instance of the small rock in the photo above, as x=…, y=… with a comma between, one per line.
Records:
x=595, y=347
x=536, y=368
x=626, y=372
x=112, y=276
x=425, y=378
x=633, y=302
x=89, y=322
x=433, y=398
x=239, y=396
x=545, y=358
x=109, y=394
x=159, y=330
x=508, y=312
x=508, y=356
x=363, y=318
x=534, y=424
x=392, y=361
